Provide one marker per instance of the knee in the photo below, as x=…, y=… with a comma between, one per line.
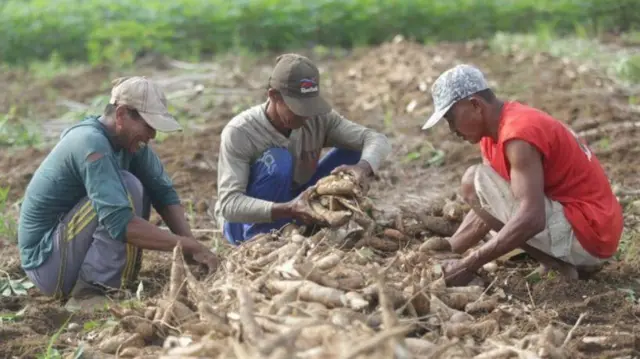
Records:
x=132, y=183
x=467, y=185
x=276, y=163
x=46, y=287
x=351, y=154
x=346, y=156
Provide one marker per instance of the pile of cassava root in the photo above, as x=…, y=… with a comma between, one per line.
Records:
x=356, y=289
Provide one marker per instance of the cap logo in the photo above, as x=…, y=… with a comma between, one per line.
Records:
x=308, y=85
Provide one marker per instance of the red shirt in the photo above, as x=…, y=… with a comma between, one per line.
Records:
x=573, y=175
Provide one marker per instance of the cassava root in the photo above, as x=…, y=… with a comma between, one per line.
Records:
x=357, y=289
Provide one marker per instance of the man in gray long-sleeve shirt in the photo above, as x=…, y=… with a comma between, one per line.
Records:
x=270, y=153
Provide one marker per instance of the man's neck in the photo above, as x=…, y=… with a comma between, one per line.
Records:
x=273, y=117
x=494, y=119
x=110, y=127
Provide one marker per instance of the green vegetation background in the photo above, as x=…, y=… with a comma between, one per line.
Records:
x=97, y=31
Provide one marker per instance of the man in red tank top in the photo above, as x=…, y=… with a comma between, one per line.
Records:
x=539, y=187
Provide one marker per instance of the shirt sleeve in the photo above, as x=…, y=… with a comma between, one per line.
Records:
x=103, y=183
x=343, y=133
x=148, y=168
x=233, y=175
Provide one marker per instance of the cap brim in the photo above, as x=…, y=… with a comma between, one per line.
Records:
x=308, y=106
x=436, y=117
x=161, y=122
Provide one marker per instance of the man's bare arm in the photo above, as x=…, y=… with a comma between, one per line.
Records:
x=471, y=231
x=174, y=216
x=145, y=235
x=473, y=228
x=527, y=185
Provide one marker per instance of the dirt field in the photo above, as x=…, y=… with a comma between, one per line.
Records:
x=383, y=88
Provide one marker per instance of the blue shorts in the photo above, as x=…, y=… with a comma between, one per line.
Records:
x=271, y=179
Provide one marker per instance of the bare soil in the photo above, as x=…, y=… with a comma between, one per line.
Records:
x=385, y=88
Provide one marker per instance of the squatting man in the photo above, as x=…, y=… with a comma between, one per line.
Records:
x=270, y=153
x=84, y=219
x=539, y=186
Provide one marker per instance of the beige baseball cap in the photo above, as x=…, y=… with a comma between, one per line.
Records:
x=298, y=80
x=147, y=98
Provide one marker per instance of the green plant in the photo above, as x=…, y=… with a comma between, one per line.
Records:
x=8, y=225
x=622, y=64
x=117, y=31
x=53, y=353
x=12, y=317
x=628, y=68
x=11, y=287
x=17, y=133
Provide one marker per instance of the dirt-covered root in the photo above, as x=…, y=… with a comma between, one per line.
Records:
x=285, y=294
x=340, y=184
x=339, y=200
x=121, y=341
x=183, y=308
x=355, y=220
x=300, y=305
x=433, y=217
x=435, y=244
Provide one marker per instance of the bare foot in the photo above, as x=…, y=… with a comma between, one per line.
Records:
x=541, y=271
x=585, y=272
x=566, y=270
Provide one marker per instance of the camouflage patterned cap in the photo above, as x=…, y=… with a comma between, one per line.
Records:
x=452, y=86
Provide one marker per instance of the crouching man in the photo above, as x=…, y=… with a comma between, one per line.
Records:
x=270, y=153
x=539, y=187
x=84, y=219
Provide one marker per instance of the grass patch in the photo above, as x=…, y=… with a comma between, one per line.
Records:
x=620, y=64
x=8, y=224
x=15, y=132
x=117, y=31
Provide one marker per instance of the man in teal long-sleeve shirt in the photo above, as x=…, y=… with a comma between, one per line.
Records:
x=84, y=220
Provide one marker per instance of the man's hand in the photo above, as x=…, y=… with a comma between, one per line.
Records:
x=301, y=210
x=455, y=273
x=360, y=171
x=207, y=258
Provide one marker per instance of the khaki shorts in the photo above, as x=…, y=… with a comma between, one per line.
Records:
x=557, y=239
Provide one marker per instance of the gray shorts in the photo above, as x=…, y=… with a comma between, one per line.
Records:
x=83, y=249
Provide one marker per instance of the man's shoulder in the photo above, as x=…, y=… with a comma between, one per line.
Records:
x=324, y=121
x=523, y=119
x=247, y=118
x=523, y=114
x=87, y=132
x=245, y=123
x=234, y=132
x=333, y=115
x=538, y=128
x=75, y=143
